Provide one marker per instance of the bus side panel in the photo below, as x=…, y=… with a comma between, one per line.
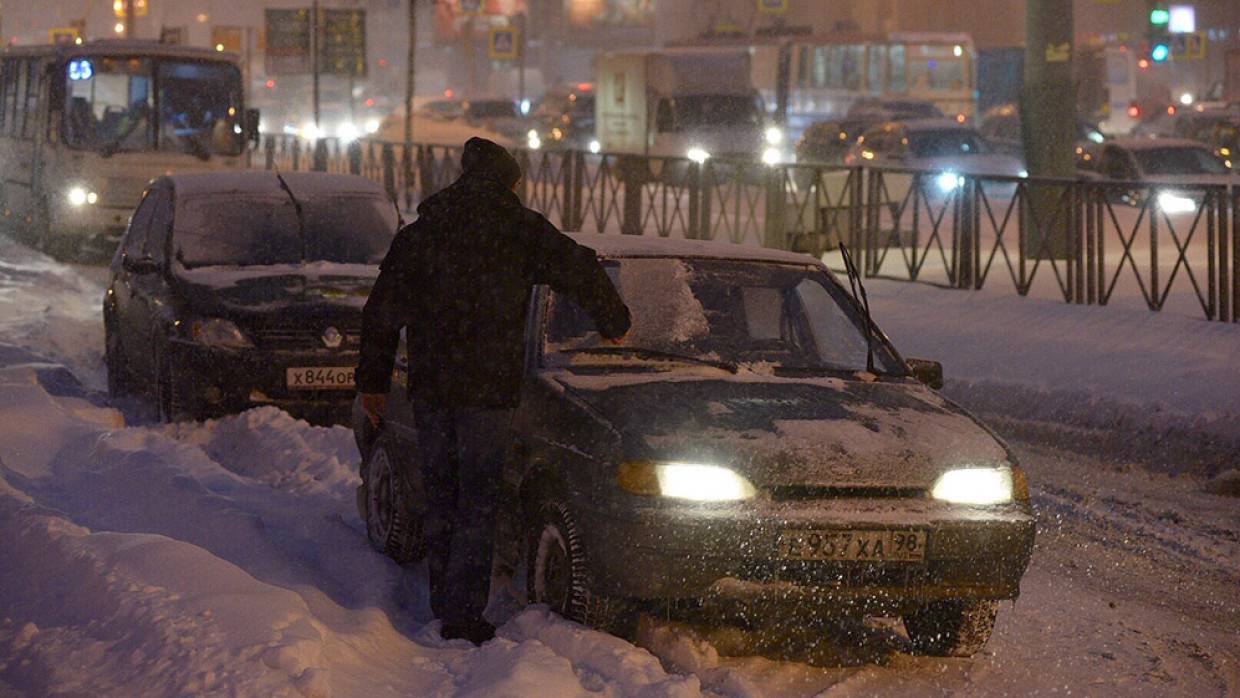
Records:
x=620, y=108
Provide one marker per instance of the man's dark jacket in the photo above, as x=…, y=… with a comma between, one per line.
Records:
x=459, y=278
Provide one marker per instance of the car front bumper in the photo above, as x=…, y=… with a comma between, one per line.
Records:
x=727, y=557
x=221, y=380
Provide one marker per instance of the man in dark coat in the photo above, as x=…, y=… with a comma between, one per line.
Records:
x=458, y=279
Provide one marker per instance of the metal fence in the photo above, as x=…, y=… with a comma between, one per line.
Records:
x=1087, y=242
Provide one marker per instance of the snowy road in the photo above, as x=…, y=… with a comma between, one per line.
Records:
x=227, y=558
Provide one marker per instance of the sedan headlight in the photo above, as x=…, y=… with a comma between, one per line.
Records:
x=1171, y=202
x=774, y=135
x=218, y=332
x=947, y=181
x=697, y=154
x=81, y=196
x=975, y=486
x=771, y=156
x=695, y=481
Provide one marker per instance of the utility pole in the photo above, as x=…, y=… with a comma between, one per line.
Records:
x=130, y=16
x=1048, y=120
x=410, y=81
x=315, y=48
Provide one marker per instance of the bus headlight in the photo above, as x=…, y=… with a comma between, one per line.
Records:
x=695, y=481
x=974, y=486
x=595, y=146
x=771, y=156
x=774, y=135
x=697, y=154
x=81, y=196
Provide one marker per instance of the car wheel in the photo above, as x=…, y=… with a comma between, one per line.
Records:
x=951, y=628
x=391, y=505
x=170, y=404
x=558, y=575
x=114, y=361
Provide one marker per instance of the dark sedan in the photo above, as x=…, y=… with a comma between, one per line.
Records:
x=744, y=451
x=240, y=289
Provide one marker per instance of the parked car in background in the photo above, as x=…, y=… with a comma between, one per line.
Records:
x=830, y=141
x=754, y=445
x=232, y=290
x=499, y=115
x=945, y=147
x=875, y=109
x=1000, y=128
x=442, y=109
x=1173, y=170
x=564, y=119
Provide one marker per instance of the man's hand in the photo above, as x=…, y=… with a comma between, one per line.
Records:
x=375, y=406
x=617, y=341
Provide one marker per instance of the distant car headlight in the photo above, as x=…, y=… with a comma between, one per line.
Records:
x=81, y=196
x=372, y=125
x=697, y=154
x=533, y=140
x=1023, y=174
x=948, y=181
x=975, y=486
x=347, y=131
x=772, y=156
x=595, y=146
x=1171, y=202
x=695, y=481
x=774, y=135
x=218, y=332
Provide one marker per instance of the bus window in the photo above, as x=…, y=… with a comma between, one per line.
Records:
x=897, y=83
x=110, y=105
x=876, y=61
x=200, y=108
x=935, y=68
x=31, y=106
x=803, y=67
x=11, y=77
x=820, y=66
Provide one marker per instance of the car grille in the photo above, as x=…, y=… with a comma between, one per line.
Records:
x=296, y=338
x=792, y=493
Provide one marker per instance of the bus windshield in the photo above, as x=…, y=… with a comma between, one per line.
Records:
x=134, y=104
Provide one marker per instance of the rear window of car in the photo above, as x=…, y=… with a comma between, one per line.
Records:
x=944, y=143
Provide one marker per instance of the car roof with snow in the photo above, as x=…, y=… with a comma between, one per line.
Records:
x=303, y=184
x=618, y=246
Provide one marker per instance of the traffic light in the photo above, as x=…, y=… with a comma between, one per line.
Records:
x=1160, y=50
x=1157, y=33
x=1160, y=17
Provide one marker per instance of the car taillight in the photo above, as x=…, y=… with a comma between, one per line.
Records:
x=1134, y=111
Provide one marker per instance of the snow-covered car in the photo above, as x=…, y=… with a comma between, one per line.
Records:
x=1174, y=171
x=231, y=290
x=748, y=449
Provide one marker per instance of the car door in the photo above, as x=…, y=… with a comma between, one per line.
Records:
x=130, y=309
x=150, y=290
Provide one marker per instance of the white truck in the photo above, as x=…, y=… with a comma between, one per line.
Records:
x=683, y=102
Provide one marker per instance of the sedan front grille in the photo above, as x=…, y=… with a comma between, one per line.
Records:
x=295, y=338
x=792, y=493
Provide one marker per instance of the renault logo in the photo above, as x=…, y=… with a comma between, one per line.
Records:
x=332, y=337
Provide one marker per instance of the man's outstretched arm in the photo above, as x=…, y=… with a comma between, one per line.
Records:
x=574, y=270
x=382, y=319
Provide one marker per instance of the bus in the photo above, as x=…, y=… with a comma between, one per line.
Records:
x=84, y=128
x=806, y=79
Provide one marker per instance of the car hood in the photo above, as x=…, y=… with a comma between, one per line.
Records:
x=292, y=291
x=791, y=432
x=982, y=164
x=1189, y=181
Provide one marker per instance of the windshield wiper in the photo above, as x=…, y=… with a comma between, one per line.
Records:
x=854, y=280
x=301, y=216
x=654, y=354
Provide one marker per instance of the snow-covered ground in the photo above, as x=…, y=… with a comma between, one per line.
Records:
x=227, y=558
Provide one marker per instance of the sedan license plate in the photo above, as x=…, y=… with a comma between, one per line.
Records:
x=877, y=546
x=320, y=378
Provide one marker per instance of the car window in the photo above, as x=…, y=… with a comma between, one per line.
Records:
x=715, y=310
x=1179, y=160
x=156, y=239
x=139, y=224
x=944, y=142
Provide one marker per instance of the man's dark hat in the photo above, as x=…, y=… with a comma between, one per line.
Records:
x=483, y=158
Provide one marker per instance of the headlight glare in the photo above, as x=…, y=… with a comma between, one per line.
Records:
x=697, y=154
x=947, y=181
x=975, y=486
x=81, y=196
x=771, y=156
x=774, y=135
x=1171, y=202
x=693, y=481
x=218, y=332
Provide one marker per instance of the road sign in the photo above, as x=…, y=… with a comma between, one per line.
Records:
x=140, y=8
x=342, y=48
x=775, y=7
x=226, y=38
x=63, y=35
x=502, y=43
x=287, y=48
x=1188, y=47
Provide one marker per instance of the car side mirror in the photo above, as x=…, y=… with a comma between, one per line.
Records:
x=251, y=126
x=927, y=371
x=139, y=265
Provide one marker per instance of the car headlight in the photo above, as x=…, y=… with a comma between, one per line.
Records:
x=697, y=154
x=218, y=332
x=774, y=135
x=772, y=156
x=595, y=146
x=81, y=196
x=695, y=481
x=975, y=486
x=948, y=181
x=1023, y=174
x=533, y=140
x=1171, y=202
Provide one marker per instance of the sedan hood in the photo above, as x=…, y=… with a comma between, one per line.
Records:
x=983, y=164
x=290, y=290
x=791, y=433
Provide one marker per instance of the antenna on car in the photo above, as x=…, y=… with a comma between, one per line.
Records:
x=858, y=290
x=301, y=216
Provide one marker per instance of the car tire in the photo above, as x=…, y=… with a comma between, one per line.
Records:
x=114, y=362
x=392, y=504
x=170, y=405
x=951, y=628
x=559, y=577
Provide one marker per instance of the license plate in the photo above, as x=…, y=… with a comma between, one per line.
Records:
x=901, y=546
x=320, y=378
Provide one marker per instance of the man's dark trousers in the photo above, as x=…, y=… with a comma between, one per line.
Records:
x=461, y=451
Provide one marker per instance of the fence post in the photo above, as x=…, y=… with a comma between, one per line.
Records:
x=632, y=171
x=389, y=170
x=694, y=182
x=775, y=232
x=1221, y=229
x=296, y=154
x=1152, y=205
x=320, y=155
x=965, y=232
x=354, y=151
x=269, y=153
x=872, y=219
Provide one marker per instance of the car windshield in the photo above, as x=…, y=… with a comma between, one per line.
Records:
x=944, y=143
x=1179, y=160
x=263, y=230
x=699, y=111
x=129, y=104
x=724, y=312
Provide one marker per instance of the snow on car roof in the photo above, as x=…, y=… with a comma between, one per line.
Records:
x=303, y=184
x=641, y=246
